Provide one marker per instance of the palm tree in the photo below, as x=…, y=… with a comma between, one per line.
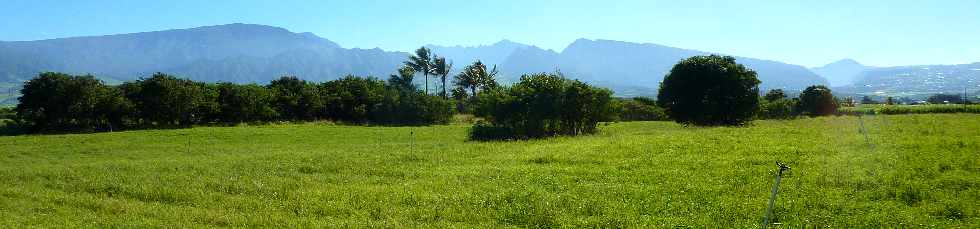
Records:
x=403, y=81
x=441, y=68
x=476, y=76
x=421, y=62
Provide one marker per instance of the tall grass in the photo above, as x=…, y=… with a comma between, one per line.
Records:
x=910, y=109
x=912, y=171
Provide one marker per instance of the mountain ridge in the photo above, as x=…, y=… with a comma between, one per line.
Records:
x=842, y=72
x=246, y=53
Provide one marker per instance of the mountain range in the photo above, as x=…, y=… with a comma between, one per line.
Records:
x=919, y=81
x=246, y=53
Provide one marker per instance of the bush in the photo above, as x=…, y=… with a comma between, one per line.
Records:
x=778, y=109
x=945, y=99
x=484, y=131
x=61, y=102
x=245, y=103
x=775, y=94
x=7, y=113
x=543, y=105
x=167, y=100
x=710, y=90
x=817, y=100
x=352, y=99
x=295, y=99
x=412, y=107
x=910, y=109
x=641, y=109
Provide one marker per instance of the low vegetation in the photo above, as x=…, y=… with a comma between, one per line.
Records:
x=911, y=171
x=61, y=102
x=542, y=105
x=641, y=109
x=910, y=109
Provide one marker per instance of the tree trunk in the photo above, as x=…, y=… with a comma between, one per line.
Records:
x=444, y=87
x=426, y=75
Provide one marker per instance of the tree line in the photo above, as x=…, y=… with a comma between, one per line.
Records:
x=700, y=90
x=62, y=102
x=59, y=102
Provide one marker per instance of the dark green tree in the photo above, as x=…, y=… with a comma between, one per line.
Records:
x=57, y=102
x=945, y=99
x=817, y=100
x=352, y=99
x=245, y=103
x=710, y=90
x=541, y=105
x=43, y=101
x=167, y=100
x=868, y=100
x=775, y=94
x=289, y=98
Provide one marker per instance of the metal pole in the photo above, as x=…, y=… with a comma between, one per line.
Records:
x=775, y=189
x=865, y=132
x=964, y=98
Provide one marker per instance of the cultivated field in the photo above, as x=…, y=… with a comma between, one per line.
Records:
x=910, y=171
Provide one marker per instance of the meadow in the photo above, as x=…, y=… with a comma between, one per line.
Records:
x=872, y=109
x=907, y=171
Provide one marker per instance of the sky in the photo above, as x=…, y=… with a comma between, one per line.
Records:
x=809, y=33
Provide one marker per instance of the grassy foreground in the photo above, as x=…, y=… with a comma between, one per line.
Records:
x=919, y=170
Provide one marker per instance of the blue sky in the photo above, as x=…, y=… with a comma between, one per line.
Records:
x=810, y=33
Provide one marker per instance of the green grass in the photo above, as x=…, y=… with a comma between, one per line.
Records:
x=917, y=171
x=911, y=109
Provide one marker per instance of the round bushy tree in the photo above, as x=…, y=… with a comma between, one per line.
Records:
x=817, y=100
x=710, y=90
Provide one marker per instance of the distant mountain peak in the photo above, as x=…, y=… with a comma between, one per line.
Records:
x=845, y=61
x=842, y=72
x=505, y=41
x=237, y=27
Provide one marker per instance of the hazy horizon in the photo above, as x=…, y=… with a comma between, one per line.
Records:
x=806, y=33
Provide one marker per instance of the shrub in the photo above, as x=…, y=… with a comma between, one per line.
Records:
x=484, y=131
x=245, y=103
x=945, y=99
x=412, y=107
x=641, y=109
x=57, y=102
x=543, y=105
x=295, y=99
x=817, y=100
x=710, y=90
x=778, y=109
x=167, y=100
x=7, y=113
x=352, y=99
x=775, y=94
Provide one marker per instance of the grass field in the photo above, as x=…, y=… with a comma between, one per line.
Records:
x=872, y=109
x=911, y=171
